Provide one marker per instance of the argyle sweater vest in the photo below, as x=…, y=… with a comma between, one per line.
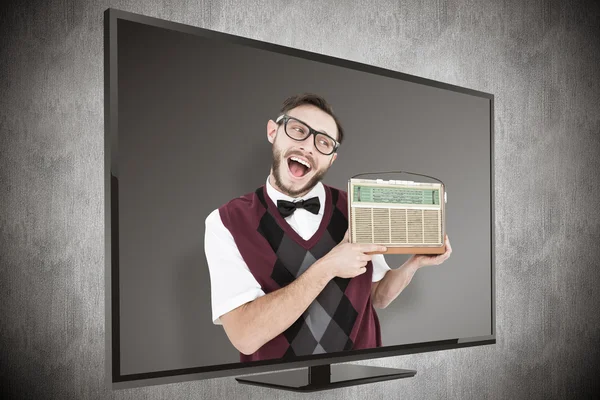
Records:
x=342, y=316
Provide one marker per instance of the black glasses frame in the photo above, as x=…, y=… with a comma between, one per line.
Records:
x=285, y=118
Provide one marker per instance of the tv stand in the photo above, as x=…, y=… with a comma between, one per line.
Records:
x=324, y=377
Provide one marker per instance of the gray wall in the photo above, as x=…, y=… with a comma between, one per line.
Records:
x=540, y=59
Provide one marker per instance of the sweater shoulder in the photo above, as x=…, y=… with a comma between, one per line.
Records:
x=333, y=189
x=339, y=198
x=243, y=209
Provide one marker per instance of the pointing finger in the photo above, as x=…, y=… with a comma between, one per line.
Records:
x=372, y=248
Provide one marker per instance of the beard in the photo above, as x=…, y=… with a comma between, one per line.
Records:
x=288, y=190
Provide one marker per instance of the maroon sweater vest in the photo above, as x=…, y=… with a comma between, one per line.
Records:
x=342, y=317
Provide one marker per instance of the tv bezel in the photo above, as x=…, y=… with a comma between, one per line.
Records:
x=114, y=378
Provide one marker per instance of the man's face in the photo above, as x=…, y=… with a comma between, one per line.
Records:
x=289, y=175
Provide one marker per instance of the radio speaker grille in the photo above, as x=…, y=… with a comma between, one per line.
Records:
x=396, y=225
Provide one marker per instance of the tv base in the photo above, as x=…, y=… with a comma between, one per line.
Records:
x=324, y=377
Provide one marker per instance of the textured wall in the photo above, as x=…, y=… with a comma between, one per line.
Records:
x=540, y=59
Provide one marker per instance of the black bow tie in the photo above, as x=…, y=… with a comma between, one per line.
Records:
x=286, y=208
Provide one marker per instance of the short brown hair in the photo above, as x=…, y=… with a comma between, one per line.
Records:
x=317, y=101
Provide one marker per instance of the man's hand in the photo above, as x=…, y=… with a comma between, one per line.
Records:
x=423, y=260
x=347, y=260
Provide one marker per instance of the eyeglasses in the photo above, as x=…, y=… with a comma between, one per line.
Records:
x=299, y=131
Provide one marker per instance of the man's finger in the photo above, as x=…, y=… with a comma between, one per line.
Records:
x=371, y=248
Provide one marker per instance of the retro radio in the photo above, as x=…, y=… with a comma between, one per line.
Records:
x=407, y=217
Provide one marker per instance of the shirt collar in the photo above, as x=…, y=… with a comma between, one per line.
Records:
x=317, y=191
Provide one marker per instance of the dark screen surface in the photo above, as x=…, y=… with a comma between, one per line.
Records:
x=191, y=128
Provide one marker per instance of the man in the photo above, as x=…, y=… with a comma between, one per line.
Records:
x=285, y=281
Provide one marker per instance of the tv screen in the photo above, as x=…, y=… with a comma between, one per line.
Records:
x=191, y=138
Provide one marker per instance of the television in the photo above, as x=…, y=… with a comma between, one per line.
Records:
x=187, y=112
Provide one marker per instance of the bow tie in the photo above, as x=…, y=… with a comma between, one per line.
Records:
x=286, y=208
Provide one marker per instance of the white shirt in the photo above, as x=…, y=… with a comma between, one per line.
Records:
x=232, y=283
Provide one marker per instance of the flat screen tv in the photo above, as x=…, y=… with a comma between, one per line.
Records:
x=195, y=121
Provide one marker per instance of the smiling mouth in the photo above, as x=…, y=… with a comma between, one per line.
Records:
x=298, y=167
